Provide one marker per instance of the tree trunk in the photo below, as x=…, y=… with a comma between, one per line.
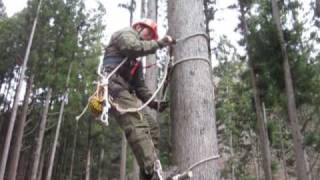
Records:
x=54, y=147
x=123, y=157
x=100, y=168
x=41, y=165
x=88, y=161
x=256, y=158
x=39, y=139
x=19, y=133
x=317, y=9
x=192, y=98
x=232, y=156
x=301, y=166
x=15, y=104
x=263, y=136
x=74, y=144
x=151, y=71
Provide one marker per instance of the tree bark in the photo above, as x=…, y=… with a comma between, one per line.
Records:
x=54, y=146
x=88, y=160
x=317, y=9
x=194, y=134
x=19, y=133
x=100, y=168
x=41, y=165
x=39, y=140
x=263, y=136
x=301, y=166
x=74, y=144
x=151, y=72
x=15, y=104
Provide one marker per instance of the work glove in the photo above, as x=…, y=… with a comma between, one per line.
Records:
x=159, y=106
x=166, y=41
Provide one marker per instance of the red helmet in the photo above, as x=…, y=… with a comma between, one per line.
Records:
x=150, y=24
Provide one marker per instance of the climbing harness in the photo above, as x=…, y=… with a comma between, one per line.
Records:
x=107, y=101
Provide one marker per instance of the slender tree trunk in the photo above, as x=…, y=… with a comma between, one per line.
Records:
x=100, y=168
x=74, y=144
x=257, y=159
x=263, y=136
x=301, y=166
x=54, y=147
x=88, y=161
x=123, y=157
x=15, y=104
x=41, y=165
x=39, y=140
x=194, y=133
x=19, y=133
x=152, y=70
x=232, y=156
x=317, y=9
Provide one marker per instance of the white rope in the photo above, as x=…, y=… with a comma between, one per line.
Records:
x=121, y=110
x=82, y=113
x=203, y=161
x=188, y=173
x=190, y=59
x=104, y=83
x=194, y=35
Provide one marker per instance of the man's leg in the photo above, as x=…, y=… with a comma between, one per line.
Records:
x=154, y=129
x=137, y=132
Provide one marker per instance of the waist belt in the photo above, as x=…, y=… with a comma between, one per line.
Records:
x=112, y=60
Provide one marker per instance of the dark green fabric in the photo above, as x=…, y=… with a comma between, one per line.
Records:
x=127, y=43
x=141, y=130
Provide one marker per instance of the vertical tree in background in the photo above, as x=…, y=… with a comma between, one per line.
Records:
x=39, y=139
x=18, y=90
x=19, y=132
x=194, y=133
x=89, y=150
x=262, y=130
x=301, y=166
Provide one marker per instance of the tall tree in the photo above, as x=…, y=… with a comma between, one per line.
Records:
x=263, y=136
x=194, y=133
x=88, y=155
x=19, y=132
x=39, y=139
x=15, y=104
x=54, y=146
x=301, y=166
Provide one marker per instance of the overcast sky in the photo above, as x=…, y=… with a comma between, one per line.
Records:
x=117, y=18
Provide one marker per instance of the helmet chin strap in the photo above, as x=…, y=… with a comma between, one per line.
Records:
x=139, y=32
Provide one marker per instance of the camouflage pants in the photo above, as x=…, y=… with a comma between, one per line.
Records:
x=141, y=130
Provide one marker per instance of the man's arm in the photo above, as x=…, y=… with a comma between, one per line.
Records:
x=129, y=45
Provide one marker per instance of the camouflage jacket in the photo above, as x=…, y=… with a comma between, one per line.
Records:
x=127, y=43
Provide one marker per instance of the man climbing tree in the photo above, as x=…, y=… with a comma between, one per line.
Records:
x=127, y=84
